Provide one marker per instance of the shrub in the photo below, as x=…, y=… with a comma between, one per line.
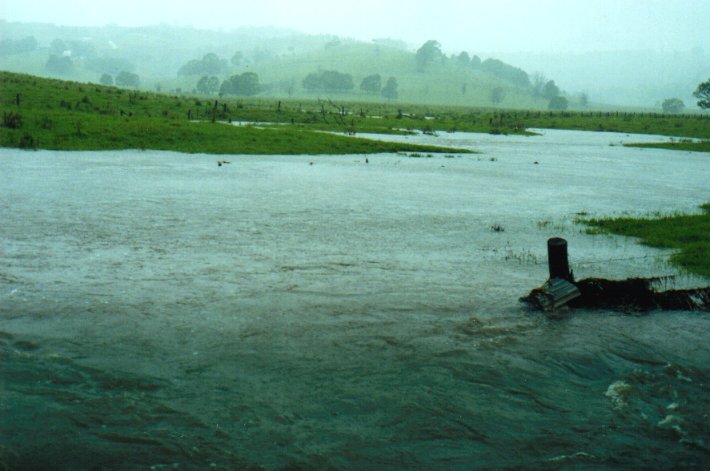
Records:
x=27, y=142
x=12, y=120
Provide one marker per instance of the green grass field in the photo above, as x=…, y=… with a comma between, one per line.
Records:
x=688, y=235
x=59, y=115
x=54, y=114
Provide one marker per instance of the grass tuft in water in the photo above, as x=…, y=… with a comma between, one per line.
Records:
x=687, y=234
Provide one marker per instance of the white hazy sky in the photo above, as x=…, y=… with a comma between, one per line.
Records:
x=491, y=25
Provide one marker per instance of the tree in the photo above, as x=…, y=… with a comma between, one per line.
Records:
x=507, y=72
x=497, y=95
x=127, y=79
x=702, y=93
x=328, y=81
x=584, y=100
x=246, y=84
x=208, y=85
x=106, y=79
x=429, y=51
x=672, y=105
x=550, y=90
x=59, y=65
x=371, y=84
x=210, y=64
x=538, y=83
x=390, y=90
x=558, y=103
x=464, y=59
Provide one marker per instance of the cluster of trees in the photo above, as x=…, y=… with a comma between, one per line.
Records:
x=429, y=52
x=328, y=81
x=506, y=72
x=246, y=84
x=128, y=79
x=208, y=85
x=210, y=64
x=673, y=105
x=548, y=89
x=19, y=46
x=123, y=79
x=372, y=84
x=465, y=60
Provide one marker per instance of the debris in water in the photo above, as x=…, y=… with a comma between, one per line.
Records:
x=633, y=294
x=554, y=294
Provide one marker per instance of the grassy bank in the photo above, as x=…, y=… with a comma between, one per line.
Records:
x=50, y=114
x=62, y=115
x=683, y=144
x=686, y=234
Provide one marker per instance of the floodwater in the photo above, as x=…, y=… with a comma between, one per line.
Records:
x=319, y=312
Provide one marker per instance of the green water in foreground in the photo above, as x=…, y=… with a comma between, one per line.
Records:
x=158, y=311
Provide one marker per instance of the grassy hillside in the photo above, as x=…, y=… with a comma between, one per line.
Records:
x=442, y=83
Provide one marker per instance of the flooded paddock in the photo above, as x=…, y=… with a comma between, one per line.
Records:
x=159, y=311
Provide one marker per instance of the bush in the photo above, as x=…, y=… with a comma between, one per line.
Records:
x=558, y=103
x=27, y=142
x=12, y=120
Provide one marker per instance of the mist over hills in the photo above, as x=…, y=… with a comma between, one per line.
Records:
x=175, y=59
x=624, y=78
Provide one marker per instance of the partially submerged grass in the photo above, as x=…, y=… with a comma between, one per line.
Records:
x=688, y=235
x=686, y=145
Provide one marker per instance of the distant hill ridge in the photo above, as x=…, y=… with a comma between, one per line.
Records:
x=160, y=57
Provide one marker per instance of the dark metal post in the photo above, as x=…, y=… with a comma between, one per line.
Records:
x=557, y=259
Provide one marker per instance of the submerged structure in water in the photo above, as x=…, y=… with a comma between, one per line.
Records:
x=633, y=294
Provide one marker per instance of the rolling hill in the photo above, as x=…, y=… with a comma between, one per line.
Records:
x=282, y=59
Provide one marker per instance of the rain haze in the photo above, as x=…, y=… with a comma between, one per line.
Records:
x=273, y=235
x=503, y=26
x=623, y=53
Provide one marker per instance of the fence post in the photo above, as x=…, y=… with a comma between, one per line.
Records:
x=557, y=259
